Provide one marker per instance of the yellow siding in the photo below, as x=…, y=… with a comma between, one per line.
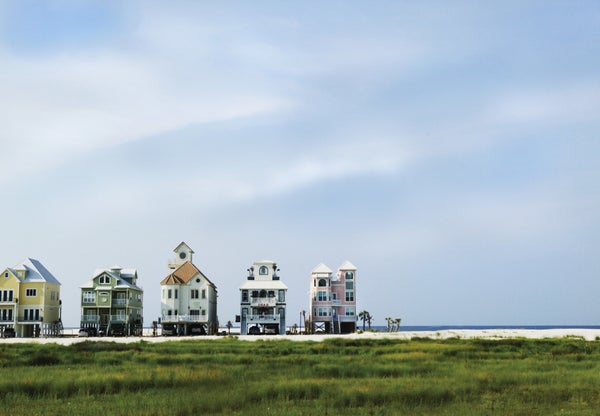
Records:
x=9, y=283
x=38, y=299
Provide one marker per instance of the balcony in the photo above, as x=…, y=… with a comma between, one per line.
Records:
x=119, y=302
x=90, y=319
x=262, y=319
x=263, y=302
x=28, y=319
x=118, y=319
x=172, y=319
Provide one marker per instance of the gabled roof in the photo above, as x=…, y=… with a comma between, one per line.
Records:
x=183, y=244
x=120, y=278
x=36, y=272
x=321, y=268
x=347, y=266
x=183, y=274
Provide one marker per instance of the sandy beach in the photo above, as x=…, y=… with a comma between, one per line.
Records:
x=587, y=334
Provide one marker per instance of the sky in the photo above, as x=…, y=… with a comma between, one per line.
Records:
x=449, y=150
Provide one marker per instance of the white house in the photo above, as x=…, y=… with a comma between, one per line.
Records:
x=333, y=299
x=263, y=300
x=188, y=298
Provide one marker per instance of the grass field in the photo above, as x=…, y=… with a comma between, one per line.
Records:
x=347, y=377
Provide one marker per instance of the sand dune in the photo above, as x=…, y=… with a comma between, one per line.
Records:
x=587, y=334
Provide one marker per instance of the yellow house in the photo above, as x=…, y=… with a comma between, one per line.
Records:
x=30, y=302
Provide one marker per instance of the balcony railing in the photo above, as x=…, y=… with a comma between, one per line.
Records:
x=29, y=319
x=7, y=319
x=183, y=318
x=263, y=302
x=118, y=318
x=262, y=318
x=119, y=302
x=90, y=319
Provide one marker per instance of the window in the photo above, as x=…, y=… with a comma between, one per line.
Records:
x=349, y=275
x=104, y=279
x=322, y=296
x=203, y=293
x=6, y=296
x=169, y=312
x=350, y=296
x=324, y=312
x=322, y=283
x=176, y=293
x=244, y=296
x=7, y=314
x=31, y=315
x=349, y=285
x=349, y=311
x=194, y=294
x=282, y=295
x=263, y=270
x=89, y=297
x=170, y=294
x=194, y=312
x=203, y=312
x=6, y=275
x=31, y=292
x=244, y=312
x=255, y=293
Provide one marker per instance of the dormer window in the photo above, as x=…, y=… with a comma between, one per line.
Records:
x=182, y=255
x=349, y=275
x=322, y=283
x=104, y=279
x=263, y=270
x=6, y=275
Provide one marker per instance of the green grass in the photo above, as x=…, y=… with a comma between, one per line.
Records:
x=336, y=376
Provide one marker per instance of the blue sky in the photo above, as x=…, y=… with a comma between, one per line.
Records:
x=450, y=150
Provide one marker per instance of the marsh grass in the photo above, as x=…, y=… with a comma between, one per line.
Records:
x=337, y=376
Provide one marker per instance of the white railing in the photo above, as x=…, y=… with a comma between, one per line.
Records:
x=183, y=318
x=119, y=301
x=263, y=302
x=262, y=318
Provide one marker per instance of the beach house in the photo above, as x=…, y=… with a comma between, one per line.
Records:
x=263, y=300
x=333, y=299
x=30, y=302
x=188, y=298
x=112, y=302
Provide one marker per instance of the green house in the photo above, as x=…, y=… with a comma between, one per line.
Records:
x=112, y=303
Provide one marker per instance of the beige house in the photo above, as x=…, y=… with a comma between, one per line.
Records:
x=188, y=298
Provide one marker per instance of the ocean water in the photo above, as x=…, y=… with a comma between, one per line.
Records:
x=414, y=328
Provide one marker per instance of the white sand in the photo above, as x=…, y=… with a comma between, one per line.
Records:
x=587, y=334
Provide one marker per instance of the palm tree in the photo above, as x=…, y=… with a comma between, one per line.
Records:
x=389, y=323
x=397, y=321
x=229, y=325
x=364, y=315
x=369, y=318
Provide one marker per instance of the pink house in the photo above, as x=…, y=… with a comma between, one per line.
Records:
x=333, y=299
